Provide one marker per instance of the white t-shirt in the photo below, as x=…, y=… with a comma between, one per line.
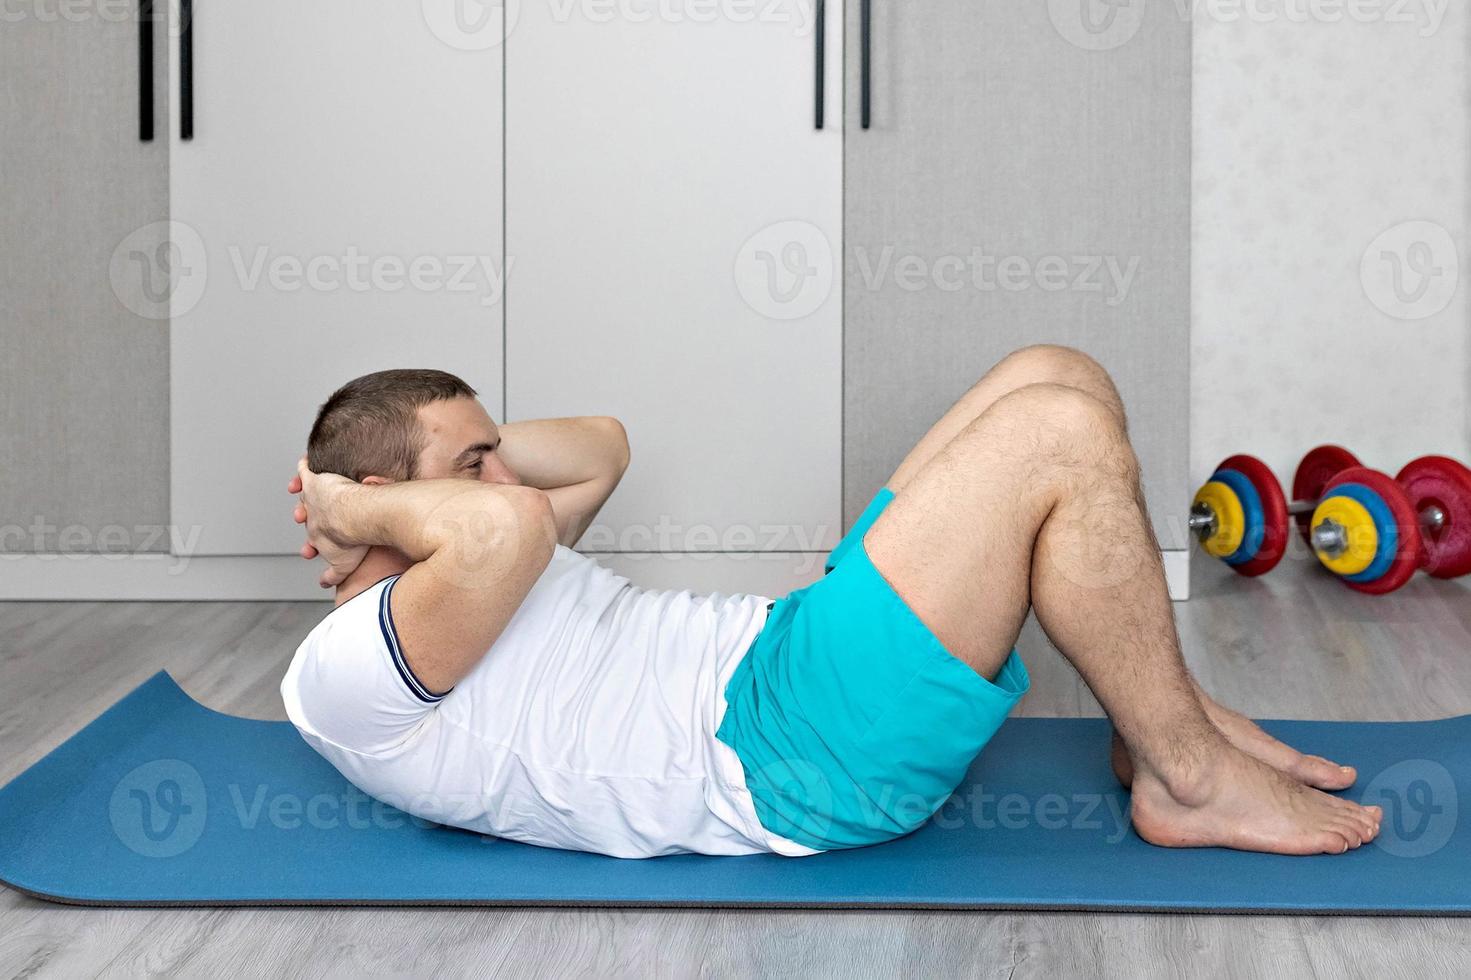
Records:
x=589, y=725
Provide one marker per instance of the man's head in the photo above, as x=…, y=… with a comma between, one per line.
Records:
x=406, y=425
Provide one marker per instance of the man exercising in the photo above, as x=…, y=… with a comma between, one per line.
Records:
x=479, y=673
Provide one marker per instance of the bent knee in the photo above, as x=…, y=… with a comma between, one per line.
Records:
x=1062, y=420
x=1043, y=363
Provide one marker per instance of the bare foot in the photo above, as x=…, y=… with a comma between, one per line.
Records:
x=1242, y=732
x=1233, y=800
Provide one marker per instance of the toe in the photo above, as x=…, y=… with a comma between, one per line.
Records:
x=1351, y=833
x=1372, y=828
x=1320, y=772
x=1369, y=816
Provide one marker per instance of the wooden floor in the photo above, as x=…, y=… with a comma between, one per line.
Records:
x=1294, y=645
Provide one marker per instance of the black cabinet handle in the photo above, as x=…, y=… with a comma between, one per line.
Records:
x=865, y=58
x=820, y=57
x=145, y=71
x=186, y=69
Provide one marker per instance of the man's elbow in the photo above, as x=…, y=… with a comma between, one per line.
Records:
x=533, y=523
x=491, y=528
x=616, y=437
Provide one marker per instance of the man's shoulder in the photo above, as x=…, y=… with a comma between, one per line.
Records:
x=362, y=617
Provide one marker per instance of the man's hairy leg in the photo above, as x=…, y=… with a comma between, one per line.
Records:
x=1064, y=366
x=1039, y=364
x=1036, y=504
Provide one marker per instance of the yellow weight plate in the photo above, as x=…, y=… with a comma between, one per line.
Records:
x=1230, y=518
x=1363, y=536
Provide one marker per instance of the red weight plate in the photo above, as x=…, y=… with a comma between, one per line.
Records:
x=1407, y=520
x=1442, y=482
x=1274, y=514
x=1313, y=473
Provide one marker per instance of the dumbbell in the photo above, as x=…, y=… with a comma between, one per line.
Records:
x=1241, y=516
x=1440, y=490
x=1371, y=531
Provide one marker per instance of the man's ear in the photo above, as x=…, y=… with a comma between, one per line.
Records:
x=376, y=481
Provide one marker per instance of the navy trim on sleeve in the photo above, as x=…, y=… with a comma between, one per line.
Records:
x=390, y=636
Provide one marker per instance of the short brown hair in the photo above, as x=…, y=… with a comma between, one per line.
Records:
x=370, y=426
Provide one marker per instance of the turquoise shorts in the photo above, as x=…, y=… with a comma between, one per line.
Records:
x=852, y=722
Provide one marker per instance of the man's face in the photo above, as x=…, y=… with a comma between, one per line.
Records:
x=460, y=443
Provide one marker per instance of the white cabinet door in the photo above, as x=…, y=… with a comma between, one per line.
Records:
x=337, y=211
x=673, y=225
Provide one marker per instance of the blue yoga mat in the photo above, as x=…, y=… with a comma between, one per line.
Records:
x=164, y=802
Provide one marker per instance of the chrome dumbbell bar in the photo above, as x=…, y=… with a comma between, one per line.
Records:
x=1329, y=538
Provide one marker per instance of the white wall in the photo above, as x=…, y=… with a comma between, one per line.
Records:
x=1311, y=139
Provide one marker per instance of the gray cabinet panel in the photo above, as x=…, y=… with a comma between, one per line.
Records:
x=354, y=230
x=1017, y=187
x=83, y=380
x=674, y=253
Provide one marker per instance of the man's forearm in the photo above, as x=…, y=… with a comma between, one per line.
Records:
x=475, y=551
x=578, y=462
x=418, y=517
x=553, y=453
